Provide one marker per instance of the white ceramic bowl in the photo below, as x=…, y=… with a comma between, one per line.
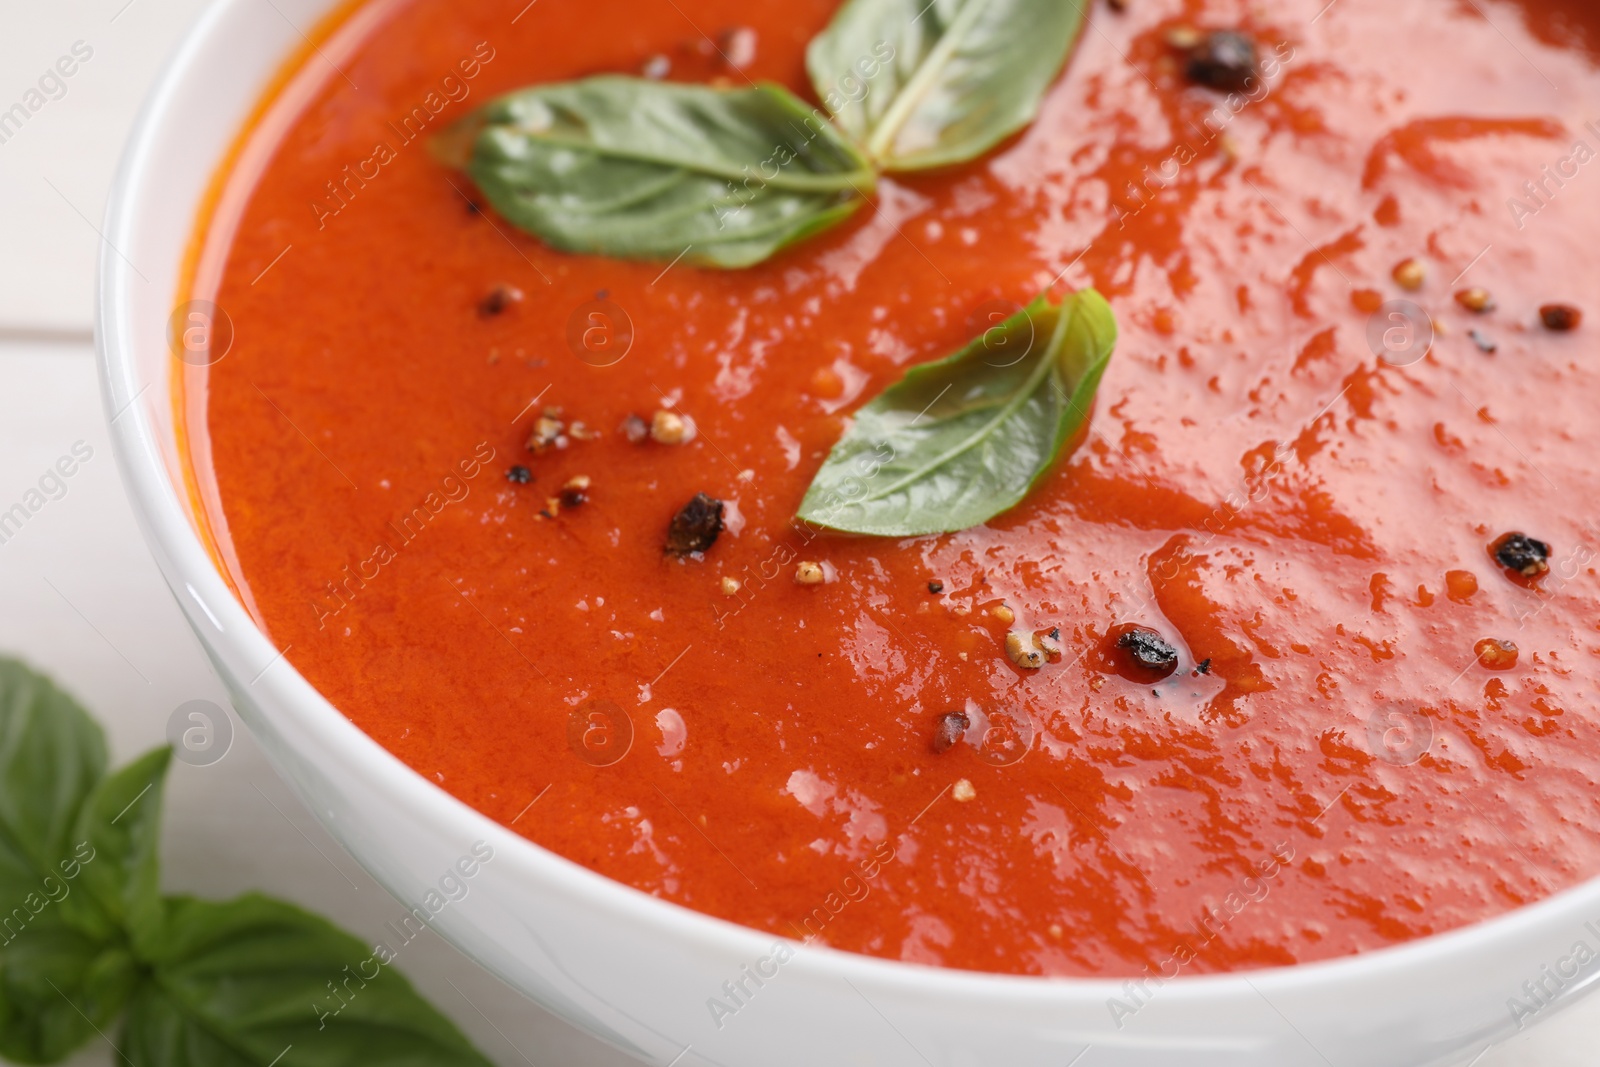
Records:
x=632, y=969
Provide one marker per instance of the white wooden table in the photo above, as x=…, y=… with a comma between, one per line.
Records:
x=82, y=598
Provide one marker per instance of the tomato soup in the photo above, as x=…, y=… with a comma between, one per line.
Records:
x=440, y=461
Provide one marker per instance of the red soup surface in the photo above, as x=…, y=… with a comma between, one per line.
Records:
x=1375, y=731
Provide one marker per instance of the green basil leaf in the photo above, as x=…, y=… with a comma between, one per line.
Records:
x=51, y=755
x=59, y=955
x=642, y=169
x=57, y=986
x=927, y=83
x=254, y=981
x=121, y=822
x=956, y=442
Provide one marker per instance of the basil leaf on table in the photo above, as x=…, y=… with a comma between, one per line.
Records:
x=965, y=74
x=254, y=981
x=58, y=956
x=121, y=821
x=85, y=934
x=957, y=441
x=57, y=986
x=51, y=756
x=642, y=169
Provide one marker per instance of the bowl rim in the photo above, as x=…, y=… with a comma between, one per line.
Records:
x=232, y=638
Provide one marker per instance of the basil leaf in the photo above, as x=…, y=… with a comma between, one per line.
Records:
x=59, y=954
x=57, y=985
x=926, y=83
x=956, y=442
x=254, y=981
x=51, y=756
x=644, y=170
x=122, y=824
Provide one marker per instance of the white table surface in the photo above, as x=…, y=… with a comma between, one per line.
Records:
x=81, y=598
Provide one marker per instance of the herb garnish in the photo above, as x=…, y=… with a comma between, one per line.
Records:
x=958, y=441
x=965, y=74
x=639, y=169
x=643, y=169
x=87, y=936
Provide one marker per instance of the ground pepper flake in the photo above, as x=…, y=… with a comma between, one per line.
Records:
x=1224, y=59
x=519, y=474
x=1146, y=650
x=1560, y=317
x=949, y=729
x=695, y=527
x=499, y=299
x=576, y=491
x=1518, y=552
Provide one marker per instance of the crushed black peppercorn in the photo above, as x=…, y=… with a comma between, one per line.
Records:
x=1483, y=341
x=1516, y=551
x=575, y=492
x=1224, y=59
x=695, y=527
x=519, y=474
x=1560, y=317
x=499, y=299
x=1148, y=651
x=1203, y=667
x=949, y=729
x=936, y=587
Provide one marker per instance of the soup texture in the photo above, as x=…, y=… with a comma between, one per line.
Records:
x=425, y=462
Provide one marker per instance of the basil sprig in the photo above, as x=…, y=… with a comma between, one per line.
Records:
x=646, y=170
x=957, y=441
x=642, y=169
x=965, y=74
x=86, y=936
